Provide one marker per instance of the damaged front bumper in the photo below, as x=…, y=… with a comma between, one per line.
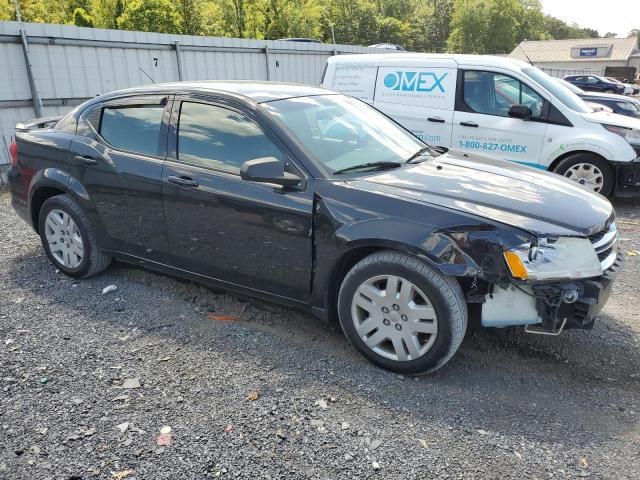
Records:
x=550, y=307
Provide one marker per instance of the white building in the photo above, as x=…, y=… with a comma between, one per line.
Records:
x=584, y=55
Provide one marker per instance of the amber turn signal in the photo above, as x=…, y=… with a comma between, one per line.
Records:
x=516, y=266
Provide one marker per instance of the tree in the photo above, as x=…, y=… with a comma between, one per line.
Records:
x=354, y=21
x=610, y=35
x=273, y=19
x=468, y=26
x=531, y=25
x=105, y=13
x=191, y=16
x=151, y=16
x=634, y=33
x=502, y=25
x=81, y=18
x=392, y=30
x=431, y=25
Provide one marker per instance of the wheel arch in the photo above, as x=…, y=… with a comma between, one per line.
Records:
x=48, y=183
x=560, y=158
x=362, y=249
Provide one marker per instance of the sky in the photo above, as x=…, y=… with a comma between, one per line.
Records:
x=618, y=16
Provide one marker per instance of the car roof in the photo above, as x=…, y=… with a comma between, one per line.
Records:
x=390, y=58
x=255, y=91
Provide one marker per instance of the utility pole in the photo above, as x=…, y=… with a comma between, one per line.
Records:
x=333, y=33
x=16, y=6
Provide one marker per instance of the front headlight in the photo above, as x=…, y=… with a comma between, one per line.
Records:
x=629, y=134
x=566, y=258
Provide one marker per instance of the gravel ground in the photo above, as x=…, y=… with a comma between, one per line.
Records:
x=278, y=394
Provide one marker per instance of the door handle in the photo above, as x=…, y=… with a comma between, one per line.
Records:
x=469, y=124
x=182, y=181
x=435, y=119
x=86, y=160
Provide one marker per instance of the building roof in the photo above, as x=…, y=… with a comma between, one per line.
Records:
x=576, y=50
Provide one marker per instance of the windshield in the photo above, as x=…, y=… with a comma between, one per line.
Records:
x=342, y=132
x=562, y=93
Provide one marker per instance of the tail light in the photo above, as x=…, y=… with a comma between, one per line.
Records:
x=13, y=153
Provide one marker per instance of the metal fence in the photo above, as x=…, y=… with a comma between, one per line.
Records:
x=49, y=69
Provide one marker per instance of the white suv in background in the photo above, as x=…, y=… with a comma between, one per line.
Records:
x=497, y=107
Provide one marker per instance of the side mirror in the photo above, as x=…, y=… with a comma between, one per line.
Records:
x=268, y=170
x=520, y=111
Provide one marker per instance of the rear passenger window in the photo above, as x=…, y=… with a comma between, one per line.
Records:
x=215, y=137
x=132, y=128
x=493, y=93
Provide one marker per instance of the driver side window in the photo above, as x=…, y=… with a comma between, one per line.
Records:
x=493, y=93
x=214, y=137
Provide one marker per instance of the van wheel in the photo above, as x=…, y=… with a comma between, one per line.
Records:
x=402, y=314
x=590, y=171
x=69, y=239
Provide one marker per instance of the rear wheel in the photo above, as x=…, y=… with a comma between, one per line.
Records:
x=588, y=170
x=69, y=239
x=402, y=314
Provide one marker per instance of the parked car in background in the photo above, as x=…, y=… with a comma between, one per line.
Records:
x=629, y=88
x=303, y=40
x=593, y=83
x=249, y=186
x=591, y=98
x=622, y=106
x=498, y=107
x=388, y=46
x=596, y=107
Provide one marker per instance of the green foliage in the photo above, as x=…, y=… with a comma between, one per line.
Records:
x=151, y=16
x=6, y=10
x=469, y=26
x=81, y=18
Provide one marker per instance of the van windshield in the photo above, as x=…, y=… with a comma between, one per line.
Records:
x=342, y=132
x=562, y=93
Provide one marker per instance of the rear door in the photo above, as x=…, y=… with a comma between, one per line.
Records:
x=221, y=226
x=481, y=123
x=118, y=156
x=421, y=98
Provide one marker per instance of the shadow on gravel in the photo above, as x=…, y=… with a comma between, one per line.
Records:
x=579, y=382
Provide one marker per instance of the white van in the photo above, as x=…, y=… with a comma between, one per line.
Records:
x=498, y=107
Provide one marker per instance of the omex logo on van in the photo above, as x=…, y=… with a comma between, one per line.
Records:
x=414, y=81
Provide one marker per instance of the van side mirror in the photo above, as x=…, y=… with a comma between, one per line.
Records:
x=268, y=170
x=520, y=111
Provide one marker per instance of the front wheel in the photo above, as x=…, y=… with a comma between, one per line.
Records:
x=588, y=170
x=69, y=239
x=402, y=314
x=608, y=90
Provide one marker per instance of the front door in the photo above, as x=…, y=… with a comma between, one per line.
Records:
x=221, y=226
x=481, y=123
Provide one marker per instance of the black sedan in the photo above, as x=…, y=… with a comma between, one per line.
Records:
x=316, y=200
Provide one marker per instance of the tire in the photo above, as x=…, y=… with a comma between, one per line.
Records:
x=570, y=167
x=92, y=260
x=608, y=90
x=442, y=296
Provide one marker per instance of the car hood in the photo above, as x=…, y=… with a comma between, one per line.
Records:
x=536, y=201
x=612, y=119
